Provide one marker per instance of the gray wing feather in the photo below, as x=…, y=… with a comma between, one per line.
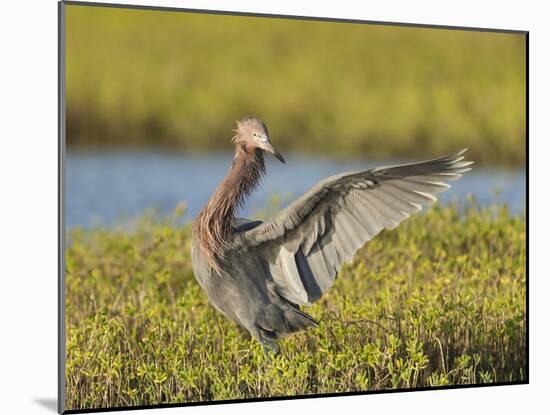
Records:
x=307, y=243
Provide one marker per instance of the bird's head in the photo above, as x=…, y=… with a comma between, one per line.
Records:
x=252, y=134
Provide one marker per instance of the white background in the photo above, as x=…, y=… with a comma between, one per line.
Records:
x=28, y=201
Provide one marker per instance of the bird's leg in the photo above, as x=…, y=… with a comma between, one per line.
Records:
x=271, y=348
x=269, y=343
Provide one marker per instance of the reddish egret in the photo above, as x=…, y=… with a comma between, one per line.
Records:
x=258, y=274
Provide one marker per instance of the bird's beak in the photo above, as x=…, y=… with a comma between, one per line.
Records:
x=269, y=147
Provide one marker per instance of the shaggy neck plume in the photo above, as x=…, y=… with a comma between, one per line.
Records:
x=214, y=226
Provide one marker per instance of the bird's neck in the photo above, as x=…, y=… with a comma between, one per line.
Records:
x=213, y=227
x=247, y=169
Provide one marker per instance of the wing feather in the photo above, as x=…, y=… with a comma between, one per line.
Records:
x=308, y=242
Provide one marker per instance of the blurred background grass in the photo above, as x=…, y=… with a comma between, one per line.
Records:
x=178, y=81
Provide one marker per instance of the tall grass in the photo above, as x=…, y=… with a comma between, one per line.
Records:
x=179, y=80
x=439, y=301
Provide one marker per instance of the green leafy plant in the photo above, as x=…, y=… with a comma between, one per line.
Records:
x=439, y=301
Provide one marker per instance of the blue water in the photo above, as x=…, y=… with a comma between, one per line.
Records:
x=102, y=188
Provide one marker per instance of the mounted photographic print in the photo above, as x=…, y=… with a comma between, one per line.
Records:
x=260, y=207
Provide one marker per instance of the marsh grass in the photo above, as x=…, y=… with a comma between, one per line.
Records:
x=439, y=301
x=179, y=81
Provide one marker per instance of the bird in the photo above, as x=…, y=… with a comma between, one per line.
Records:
x=260, y=274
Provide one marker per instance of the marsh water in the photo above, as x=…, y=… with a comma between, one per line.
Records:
x=104, y=188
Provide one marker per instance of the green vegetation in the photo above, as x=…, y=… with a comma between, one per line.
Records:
x=441, y=300
x=178, y=80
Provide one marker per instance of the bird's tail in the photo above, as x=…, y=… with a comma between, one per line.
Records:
x=298, y=320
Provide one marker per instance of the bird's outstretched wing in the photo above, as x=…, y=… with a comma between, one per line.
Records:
x=307, y=243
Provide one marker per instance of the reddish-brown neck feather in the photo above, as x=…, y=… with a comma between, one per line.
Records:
x=214, y=225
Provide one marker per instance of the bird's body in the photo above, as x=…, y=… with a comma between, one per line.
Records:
x=259, y=274
x=244, y=293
